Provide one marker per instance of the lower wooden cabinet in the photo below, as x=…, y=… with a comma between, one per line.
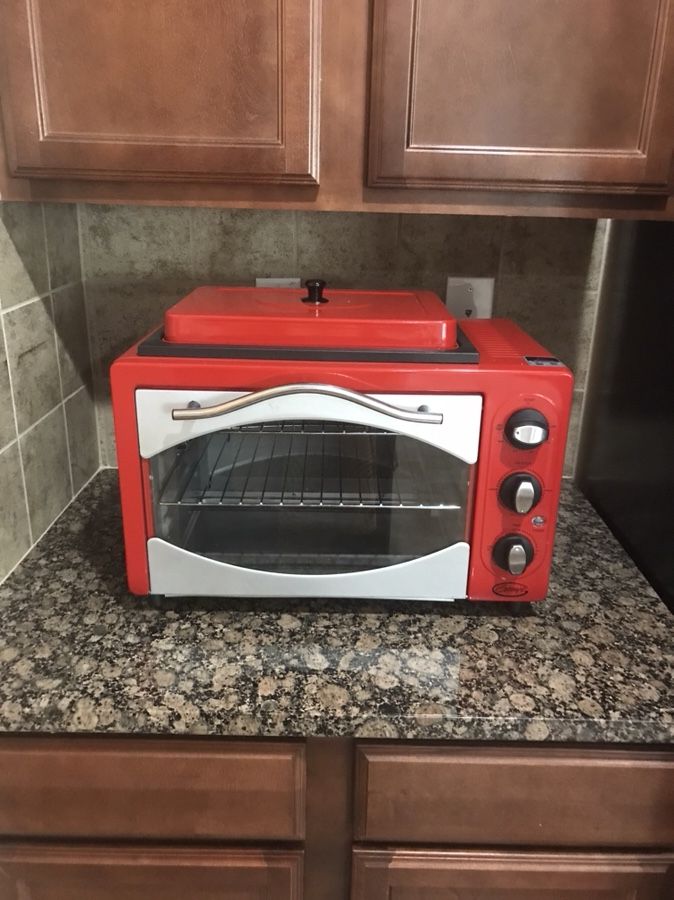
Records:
x=97, y=818
x=447, y=875
x=108, y=873
x=523, y=797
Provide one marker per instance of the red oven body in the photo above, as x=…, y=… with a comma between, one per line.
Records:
x=507, y=381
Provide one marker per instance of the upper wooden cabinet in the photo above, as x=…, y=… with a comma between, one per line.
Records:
x=215, y=90
x=536, y=94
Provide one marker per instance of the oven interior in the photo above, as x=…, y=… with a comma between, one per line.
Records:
x=310, y=497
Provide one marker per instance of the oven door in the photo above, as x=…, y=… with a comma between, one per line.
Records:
x=309, y=490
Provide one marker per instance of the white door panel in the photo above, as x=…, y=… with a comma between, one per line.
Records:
x=439, y=576
x=459, y=433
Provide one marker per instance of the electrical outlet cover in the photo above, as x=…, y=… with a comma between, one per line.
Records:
x=278, y=282
x=470, y=298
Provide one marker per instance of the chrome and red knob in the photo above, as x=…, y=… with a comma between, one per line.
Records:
x=520, y=492
x=526, y=429
x=513, y=553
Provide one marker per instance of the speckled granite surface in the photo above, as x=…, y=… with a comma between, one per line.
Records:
x=78, y=654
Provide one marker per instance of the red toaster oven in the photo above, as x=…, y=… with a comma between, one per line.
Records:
x=334, y=443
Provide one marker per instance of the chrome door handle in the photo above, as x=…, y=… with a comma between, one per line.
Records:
x=421, y=416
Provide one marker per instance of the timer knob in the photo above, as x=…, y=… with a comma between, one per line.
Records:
x=526, y=429
x=520, y=492
x=513, y=553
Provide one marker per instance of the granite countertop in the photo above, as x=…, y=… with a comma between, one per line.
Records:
x=79, y=654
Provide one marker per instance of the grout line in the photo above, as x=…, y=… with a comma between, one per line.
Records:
x=37, y=422
x=46, y=245
x=23, y=303
x=505, y=227
x=92, y=336
x=78, y=216
x=16, y=428
x=63, y=406
x=590, y=356
x=69, y=396
x=70, y=463
x=63, y=287
x=191, y=213
x=57, y=516
x=9, y=445
x=296, y=248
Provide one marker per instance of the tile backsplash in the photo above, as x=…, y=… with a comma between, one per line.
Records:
x=77, y=286
x=48, y=433
x=137, y=261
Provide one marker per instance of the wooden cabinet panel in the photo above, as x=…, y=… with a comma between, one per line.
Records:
x=426, y=875
x=71, y=873
x=172, y=789
x=542, y=94
x=501, y=796
x=163, y=89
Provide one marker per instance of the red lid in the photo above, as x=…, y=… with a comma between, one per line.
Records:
x=269, y=317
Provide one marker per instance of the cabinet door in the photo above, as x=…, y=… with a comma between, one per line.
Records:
x=429, y=875
x=163, y=89
x=102, y=788
x=72, y=873
x=537, y=94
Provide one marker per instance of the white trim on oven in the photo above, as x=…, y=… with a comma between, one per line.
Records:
x=458, y=433
x=442, y=575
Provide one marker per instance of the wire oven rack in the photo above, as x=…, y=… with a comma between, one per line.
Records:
x=315, y=464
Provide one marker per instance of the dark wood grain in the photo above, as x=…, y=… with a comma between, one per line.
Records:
x=502, y=796
x=211, y=89
x=127, y=873
x=165, y=789
x=434, y=875
x=552, y=95
x=344, y=36
x=329, y=818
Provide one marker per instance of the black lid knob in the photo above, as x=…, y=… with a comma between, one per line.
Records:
x=314, y=288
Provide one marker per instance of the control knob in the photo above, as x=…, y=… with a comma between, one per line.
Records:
x=520, y=492
x=513, y=553
x=526, y=429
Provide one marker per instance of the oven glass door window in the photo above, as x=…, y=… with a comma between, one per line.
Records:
x=310, y=497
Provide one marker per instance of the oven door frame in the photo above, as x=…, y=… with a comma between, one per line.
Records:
x=450, y=422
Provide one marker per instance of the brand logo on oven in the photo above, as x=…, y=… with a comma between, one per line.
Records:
x=510, y=589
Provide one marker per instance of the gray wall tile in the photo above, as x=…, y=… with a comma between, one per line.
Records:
x=135, y=242
x=14, y=531
x=23, y=253
x=45, y=463
x=343, y=247
x=31, y=350
x=450, y=245
x=82, y=437
x=236, y=245
x=106, y=428
x=573, y=435
x=7, y=424
x=121, y=312
x=63, y=243
x=550, y=248
x=71, y=338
